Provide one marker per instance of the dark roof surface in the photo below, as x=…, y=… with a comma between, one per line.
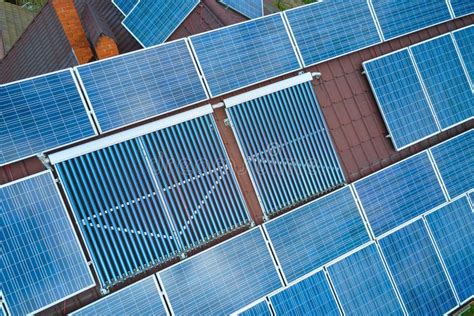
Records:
x=95, y=25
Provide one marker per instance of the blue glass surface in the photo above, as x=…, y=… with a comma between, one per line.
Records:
x=399, y=193
x=363, y=285
x=244, y=54
x=152, y=22
x=417, y=271
x=42, y=261
x=464, y=39
x=397, y=18
x=142, y=84
x=140, y=298
x=125, y=5
x=222, y=279
x=316, y=233
x=261, y=309
x=455, y=161
x=462, y=7
x=310, y=296
x=250, y=8
x=40, y=114
x=328, y=29
x=445, y=81
x=401, y=99
x=452, y=230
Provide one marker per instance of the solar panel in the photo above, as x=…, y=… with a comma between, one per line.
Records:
x=250, y=8
x=455, y=161
x=363, y=286
x=399, y=193
x=464, y=38
x=140, y=298
x=40, y=114
x=136, y=86
x=125, y=6
x=401, y=99
x=244, y=54
x=445, y=81
x=152, y=22
x=312, y=296
x=316, y=233
x=462, y=7
x=417, y=271
x=260, y=309
x=286, y=146
x=452, y=230
x=329, y=29
x=222, y=279
x=397, y=18
x=42, y=261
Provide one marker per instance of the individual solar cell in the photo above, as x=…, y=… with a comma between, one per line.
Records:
x=250, y=8
x=136, y=86
x=317, y=233
x=42, y=261
x=310, y=296
x=329, y=29
x=125, y=6
x=140, y=298
x=286, y=146
x=40, y=114
x=417, y=272
x=455, y=161
x=152, y=22
x=464, y=38
x=399, y=193
x=445, y=81
x=397, y=18
x=260, y=309
x=222, y=279
x=363, y=286
x=452, y=230
x=462, y=7
x=401, y=99
x=244, y=54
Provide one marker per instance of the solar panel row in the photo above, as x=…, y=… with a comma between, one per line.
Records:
x=461, y=7
x=250, y=8
x=463, y=39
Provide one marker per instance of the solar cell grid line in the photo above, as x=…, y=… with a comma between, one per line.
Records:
x=42, y=113
x=463, y=39
x=152, y=22
x=252, y=9
x=244, y=54
x=222, y=279
x=317, y=29
x=413, y=263
x=461, y=7
x=42, y=260
x=451, y=228
x=139, y=85
x=259, y=309
x=125, y=6
x=446, y=83
x=397, y=18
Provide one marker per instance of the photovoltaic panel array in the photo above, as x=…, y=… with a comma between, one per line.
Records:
x=462, y=7
x=260, y=309
x=328, y=29
x=40, y=114
x=222, y=279
x=317, y=233
x=286, y=146
x=141, y=298
x=137, y=86
x=152, y=22
x=464, y=38
x=42, y=261
x=125, y=6
x=389, y=197
x=250, y=8
x=240, y=55
x=412, y=260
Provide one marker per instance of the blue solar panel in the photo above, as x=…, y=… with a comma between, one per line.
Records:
x=316, y=233
x=311, y=296
x=40, y=114
x=152, y=22
x=455, y=161
x=260, y=309
x=462, y=7
x=42, y=261
x=141, y=298
x=417, y=271
x=401, y=99
x=250, y=8
x=397, y=18
x=363, y=285
x=464, y=39
x=222, y=279
x=125, y=6
x=399, y=193
x=445, y=81
x=452, y=230
x=244, y=54
x=328, y=29
x=142, y=84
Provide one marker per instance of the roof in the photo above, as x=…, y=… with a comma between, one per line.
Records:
x=94, y=24
x=13, y=21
